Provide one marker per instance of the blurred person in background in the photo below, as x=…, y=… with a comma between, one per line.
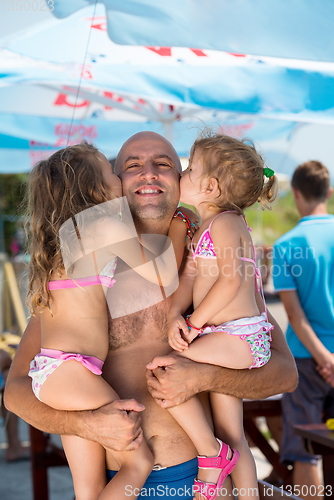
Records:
x=303, y=274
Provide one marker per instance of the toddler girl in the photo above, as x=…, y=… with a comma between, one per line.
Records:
x=225, y=176
x=74, y=204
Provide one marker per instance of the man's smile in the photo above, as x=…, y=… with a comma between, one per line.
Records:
x=148, y=190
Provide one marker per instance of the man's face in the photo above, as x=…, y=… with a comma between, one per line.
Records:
x=149, y=169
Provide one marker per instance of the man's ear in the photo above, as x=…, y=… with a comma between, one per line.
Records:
x=296, y=193
x=212, y=188
x=329, y=194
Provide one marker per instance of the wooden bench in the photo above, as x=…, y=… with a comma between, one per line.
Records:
x=270, y=407
x=319, y=440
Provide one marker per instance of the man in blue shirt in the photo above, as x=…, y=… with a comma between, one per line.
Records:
x=303, y=273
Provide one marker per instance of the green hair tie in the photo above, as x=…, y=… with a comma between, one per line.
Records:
x=268, y=172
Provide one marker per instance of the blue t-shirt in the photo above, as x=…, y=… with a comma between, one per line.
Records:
x=303, y=260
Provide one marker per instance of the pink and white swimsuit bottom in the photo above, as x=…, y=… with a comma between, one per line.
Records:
x=48, y=360
x=255, y=331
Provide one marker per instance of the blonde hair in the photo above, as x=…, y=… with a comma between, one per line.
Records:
x=239, y=170
x=68, y=182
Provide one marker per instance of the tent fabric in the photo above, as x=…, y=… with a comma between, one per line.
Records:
x=172, y=91
x=124, y=89
x=26, y=139
x=296, y=29
x=289, y=90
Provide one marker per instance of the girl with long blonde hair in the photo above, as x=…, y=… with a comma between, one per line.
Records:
x=76, y=234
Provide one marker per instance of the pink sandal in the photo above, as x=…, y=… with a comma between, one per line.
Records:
x=210, y=490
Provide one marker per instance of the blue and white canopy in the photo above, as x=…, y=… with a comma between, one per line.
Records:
x=294, y=29
x=116, y=90
x=36, y=120
x=55, y=54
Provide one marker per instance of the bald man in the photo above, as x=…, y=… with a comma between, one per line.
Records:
x=150, y=170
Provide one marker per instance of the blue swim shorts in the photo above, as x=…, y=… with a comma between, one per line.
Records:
x=303, y=406
x=172, y=483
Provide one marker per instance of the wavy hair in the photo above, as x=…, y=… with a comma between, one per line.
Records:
x=68, y=182
x=239, y=170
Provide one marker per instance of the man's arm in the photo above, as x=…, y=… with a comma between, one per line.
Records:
x=112, y=425
x=177, y=379
x=304, y=331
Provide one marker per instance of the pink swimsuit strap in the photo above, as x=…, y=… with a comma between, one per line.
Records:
x=93, y=364
x=91, y=280
x=209, y=252
x=205, y=239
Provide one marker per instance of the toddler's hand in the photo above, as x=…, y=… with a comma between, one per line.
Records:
x=175, y=339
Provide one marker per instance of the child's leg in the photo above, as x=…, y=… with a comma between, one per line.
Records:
x=221, y=349
x=87, y=463
x=191, y=417
x=72, y=386
x=135, y=466
x=216, y=348
x=228, y=420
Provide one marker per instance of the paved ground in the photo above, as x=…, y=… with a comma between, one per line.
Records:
x=15, y=479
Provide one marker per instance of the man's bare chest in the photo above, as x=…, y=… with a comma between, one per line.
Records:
x=143, y=326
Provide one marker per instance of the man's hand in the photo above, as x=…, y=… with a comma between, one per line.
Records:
x=172, y=380
x=115, y=426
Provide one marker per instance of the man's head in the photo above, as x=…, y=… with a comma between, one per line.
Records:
x=311, y=180
x=149, y=168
